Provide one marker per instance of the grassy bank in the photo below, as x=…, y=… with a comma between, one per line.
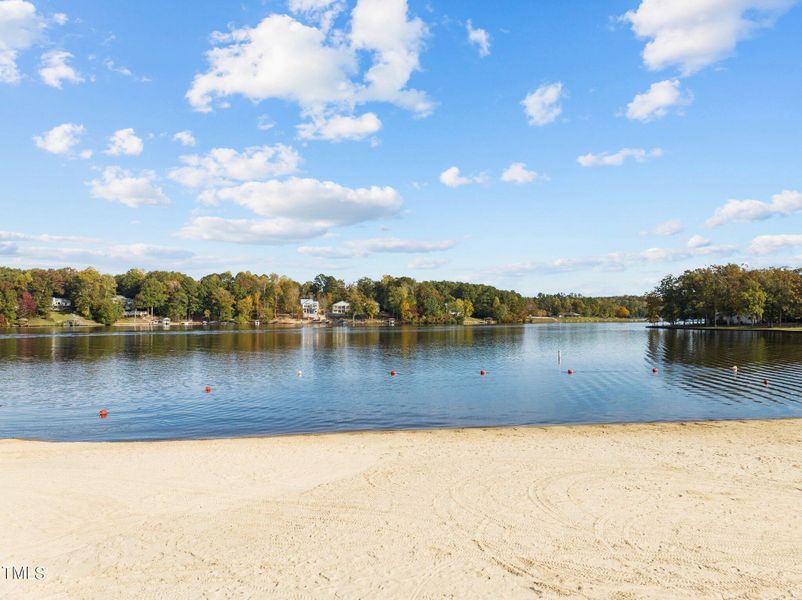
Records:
x=55, y=319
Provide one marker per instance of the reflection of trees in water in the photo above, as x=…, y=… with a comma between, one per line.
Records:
x=717, y=348
x=401, y=341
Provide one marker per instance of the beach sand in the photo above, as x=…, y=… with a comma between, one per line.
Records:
x=696, y=510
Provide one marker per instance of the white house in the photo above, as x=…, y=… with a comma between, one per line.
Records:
x=735, y=320
x=341, y=308
x=309, y=308
x=60, y=303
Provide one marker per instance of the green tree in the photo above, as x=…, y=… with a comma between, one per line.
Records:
x=178, y=305
x=109, y=311
x=41, y=290
x=152, y=295
x=653, y=307
x=371, y=308
x=753, y=300
x=245, y=309
x=8, y=306
x=288, y=296
x=88, y=289
x=222, y=304
x=130, y=283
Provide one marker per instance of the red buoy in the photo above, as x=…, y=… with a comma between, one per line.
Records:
x=393, y=373
x=103, y=413
x=482, y=372
x=765, y=382
x=207, y=389
x=570, y=371
x=654, y=369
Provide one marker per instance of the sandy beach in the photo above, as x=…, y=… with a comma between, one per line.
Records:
x=696, y=510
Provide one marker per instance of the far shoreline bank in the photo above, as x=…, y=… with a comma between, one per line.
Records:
x=782, y=329
x=297, y=323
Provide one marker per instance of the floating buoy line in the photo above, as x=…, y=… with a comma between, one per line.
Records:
x=103, y=413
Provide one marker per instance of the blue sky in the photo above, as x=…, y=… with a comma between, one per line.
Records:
x=541, y=146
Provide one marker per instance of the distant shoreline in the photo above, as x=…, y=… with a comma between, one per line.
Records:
x=787, y=329
x=287, y=322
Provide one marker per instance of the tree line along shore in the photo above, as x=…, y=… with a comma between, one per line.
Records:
x=48, y=296
x=714, y=296
x=728, y=295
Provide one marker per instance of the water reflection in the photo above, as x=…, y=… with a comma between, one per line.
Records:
x=716, y=348
x=151, y=381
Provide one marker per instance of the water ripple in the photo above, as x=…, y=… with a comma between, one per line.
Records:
x=152, y=382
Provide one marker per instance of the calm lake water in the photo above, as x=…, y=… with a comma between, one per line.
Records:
x=52, y=384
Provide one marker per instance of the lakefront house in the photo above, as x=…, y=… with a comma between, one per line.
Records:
x=309, y=308
x=341, y=308
x=60, y=304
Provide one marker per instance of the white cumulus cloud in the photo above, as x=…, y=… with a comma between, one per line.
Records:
x=252, y=231
x=225, y=166
x=61, y=139
x=785, y=203
x=616, y=159
x=126, y=187
x=54, y=70
x=322, y=12
x=656, y=102
x=340, y=127
x=185, y=138
x=518, y=173
x=452, y=177
x=543, y=105
x=674, y=254
x=697, y=241
x=320, y=70
x=311, y=199
x=666, y=228
x=279, y=58
x=693, y=34
x=768, y=244
x=291, y=210
x=20, y=28
x=382, y=28
x=125, y=141
x=480, y=38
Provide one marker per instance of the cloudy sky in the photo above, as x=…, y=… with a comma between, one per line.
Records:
x=540, y=146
